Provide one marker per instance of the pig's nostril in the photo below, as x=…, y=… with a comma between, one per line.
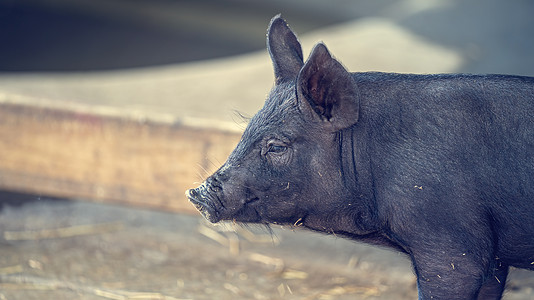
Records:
x=191, y=193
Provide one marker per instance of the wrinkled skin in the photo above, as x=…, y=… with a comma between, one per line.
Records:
x=419, y=163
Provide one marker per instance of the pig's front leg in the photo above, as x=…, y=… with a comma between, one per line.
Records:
x=459, y=276
x=494, y=285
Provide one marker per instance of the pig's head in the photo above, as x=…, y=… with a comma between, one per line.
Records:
x=287, y=167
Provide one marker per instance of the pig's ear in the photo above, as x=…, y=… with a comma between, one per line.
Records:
x=326, y=91
x=285, y=50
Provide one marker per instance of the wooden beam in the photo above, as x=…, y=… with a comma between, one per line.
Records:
x=85, y=155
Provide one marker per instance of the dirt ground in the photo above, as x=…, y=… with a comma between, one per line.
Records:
x=56, y=249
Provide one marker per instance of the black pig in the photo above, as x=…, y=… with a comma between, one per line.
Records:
x=440, y=167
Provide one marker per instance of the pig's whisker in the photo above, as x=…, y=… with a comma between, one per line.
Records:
x=243, y=119
x=200, y=176
x=203, y=169
x=213, y=164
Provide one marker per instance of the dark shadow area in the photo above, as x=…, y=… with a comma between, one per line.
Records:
x=62, y=36
x=19, y=199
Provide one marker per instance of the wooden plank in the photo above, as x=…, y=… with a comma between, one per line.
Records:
x=66, y=153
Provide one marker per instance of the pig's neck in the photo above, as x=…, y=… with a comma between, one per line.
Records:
x=358, y=218
x=347, y=226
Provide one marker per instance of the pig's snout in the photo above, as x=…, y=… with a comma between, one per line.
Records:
x=201, y=198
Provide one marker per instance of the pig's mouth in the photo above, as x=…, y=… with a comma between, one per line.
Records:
x=203, y=205
x=208, y=201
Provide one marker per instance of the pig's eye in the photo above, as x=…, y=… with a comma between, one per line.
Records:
x=276, y=152
x=276, y=149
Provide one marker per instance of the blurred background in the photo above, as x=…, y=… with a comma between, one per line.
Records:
x=121, y=105
x=60, y=35
x=103, y=35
